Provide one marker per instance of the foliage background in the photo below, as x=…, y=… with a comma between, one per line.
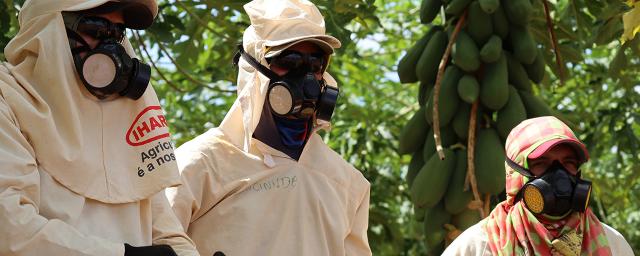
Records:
x=192, y=43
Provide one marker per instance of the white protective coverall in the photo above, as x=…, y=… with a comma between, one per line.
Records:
x=78, y=176
x=474, y=242
x=242, y=197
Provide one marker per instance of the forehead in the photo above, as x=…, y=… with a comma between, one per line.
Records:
x=305, y=47
x=114, y=16
x=560, y=151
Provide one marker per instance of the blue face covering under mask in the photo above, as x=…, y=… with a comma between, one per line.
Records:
x=293, y=132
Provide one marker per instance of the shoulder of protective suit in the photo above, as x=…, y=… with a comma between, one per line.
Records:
x=8, y=86
x=5, y=110
x=328, y=155
x=617, y=242
x=203, y=144
x=6, y=78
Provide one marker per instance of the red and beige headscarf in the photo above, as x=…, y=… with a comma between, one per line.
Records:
x=513, y=230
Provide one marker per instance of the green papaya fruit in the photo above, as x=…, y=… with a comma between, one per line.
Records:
x=407, y=64
x=465, y=53
x=518, y=11
x=468, y=89
x=456, y=199
x=455, y=7
x=416, y=163
x=429, y=147
x=524, y=48
x=450, y=27
x=511, y=115
x=466, y=219
x=438, y=248
x=434, y=220
x=535, y=70
x=535, y=106
x=431, y=182
x=419, y=212
x=429, y=9
x=460, y=122
x=413, y=133
x=427, y=66
x=489, y=6
x=479, y=24
x=492, y=50
x=517, y=74
x=500, y=23
x=494, y=90
x=489, y=162
x=423, y=93
x=448, y=100
x=447, y=136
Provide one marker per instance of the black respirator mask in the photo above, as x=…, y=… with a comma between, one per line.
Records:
x=297, y=93
x=107, y=69
x=555, y=193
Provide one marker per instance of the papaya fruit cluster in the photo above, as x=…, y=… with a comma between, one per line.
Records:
x=494, y=61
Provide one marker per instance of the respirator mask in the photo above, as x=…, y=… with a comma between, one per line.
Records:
x=298, y=93
x=107, y=69
x=555, y=193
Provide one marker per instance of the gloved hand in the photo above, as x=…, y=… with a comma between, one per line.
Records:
x=153, y=250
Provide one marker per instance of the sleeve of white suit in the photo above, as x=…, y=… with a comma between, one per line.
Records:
x=617, y=243
x=197, y=193
x=356, y=243
x=22, y=230
x=166, y=228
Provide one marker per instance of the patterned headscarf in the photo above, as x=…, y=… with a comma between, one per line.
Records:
x=513, y=230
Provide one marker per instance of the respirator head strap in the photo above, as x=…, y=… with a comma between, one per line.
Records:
x=525, y=172
x=255, y=64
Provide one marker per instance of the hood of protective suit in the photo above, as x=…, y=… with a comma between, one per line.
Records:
x=112, y=151
x=273, y=23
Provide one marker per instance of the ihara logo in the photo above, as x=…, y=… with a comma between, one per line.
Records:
x=149, y=125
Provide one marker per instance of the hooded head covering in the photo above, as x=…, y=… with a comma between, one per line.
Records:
x=275, y=25
x=512, y=229
x=137, y=14
x=114, y=151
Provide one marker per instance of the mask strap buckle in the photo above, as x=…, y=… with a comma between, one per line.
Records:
x=525, y=172
x=255, y=64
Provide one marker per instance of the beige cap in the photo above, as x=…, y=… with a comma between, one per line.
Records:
x=326, y=43
x=137, y=14
x=283, y=23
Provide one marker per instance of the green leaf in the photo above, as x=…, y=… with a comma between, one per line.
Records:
x=618, y=63
x=608, y=31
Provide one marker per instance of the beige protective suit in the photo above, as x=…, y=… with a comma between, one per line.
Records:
x=78, y=176
x=242, y=197
x=473, y=242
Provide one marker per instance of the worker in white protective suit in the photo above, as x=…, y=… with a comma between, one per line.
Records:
x=264, y=183
x=85, y=151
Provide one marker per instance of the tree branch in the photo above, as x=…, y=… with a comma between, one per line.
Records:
x=200, y=21
x=185, y=73
x=144, y=48
x=436, y=89
x=471, y=170
x=554, y=41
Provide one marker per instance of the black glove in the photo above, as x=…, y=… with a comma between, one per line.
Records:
x=153, y=250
